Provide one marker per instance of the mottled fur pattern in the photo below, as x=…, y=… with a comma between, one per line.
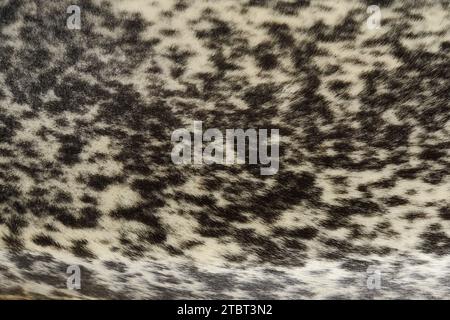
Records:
x=86, y=178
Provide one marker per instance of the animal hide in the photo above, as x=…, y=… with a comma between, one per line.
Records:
x=93, y=206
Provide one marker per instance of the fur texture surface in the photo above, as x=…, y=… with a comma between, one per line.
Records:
x=86, y=177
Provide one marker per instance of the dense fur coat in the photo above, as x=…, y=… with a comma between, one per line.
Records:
x=86, y=179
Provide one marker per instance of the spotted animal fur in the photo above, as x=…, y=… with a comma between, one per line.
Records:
x=86, y=177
